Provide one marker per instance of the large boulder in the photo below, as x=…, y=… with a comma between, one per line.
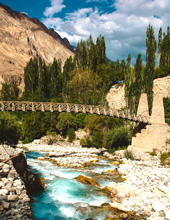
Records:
x=87, y=180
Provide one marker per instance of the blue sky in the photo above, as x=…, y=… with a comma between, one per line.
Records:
x=123, y=23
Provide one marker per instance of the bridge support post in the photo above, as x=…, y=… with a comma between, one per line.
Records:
x=155, y=134
x=143, y=105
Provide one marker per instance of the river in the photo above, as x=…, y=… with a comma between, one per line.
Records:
x=65, y=198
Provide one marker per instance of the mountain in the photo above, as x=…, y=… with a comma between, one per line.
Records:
x=21, y=38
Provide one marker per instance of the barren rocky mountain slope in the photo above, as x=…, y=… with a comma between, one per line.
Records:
x=22, y=38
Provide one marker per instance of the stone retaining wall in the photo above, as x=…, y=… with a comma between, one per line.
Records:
x=16, y=180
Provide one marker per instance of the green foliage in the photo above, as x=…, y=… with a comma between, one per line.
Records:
x=150, y=63
x=9, y=91
x=71, y=134
x=41, y=81
x=164, y=49
x=118, y=137
x=50, y=142
x=10, y=130
x=161, y=72
x=36, y=124
x=65, y=122
x=153, y=153
x=80, y=120
x=167, y=107
x=97, y=139
x=129, y=155
x=82, y=142
x=138, y=86
x=164, y=156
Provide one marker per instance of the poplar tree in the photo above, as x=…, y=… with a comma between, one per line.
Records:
x=159, y=44
x=165, y=51
x=55, y=82
x=101, y=50
x=138, y=79
x=42, y=80
x=128, y=83
x=31, y=77
x=150, y=63
x=94, y=91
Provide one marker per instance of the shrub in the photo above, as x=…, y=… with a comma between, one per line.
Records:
x=164, y=156
x=71, y=135
x=50, y=142
x=97, y=139
x=82, y=142
x=118, y=137
x=80, y=120
x=65, y=122
x=129, y=155
x=10, y=128
x=153, y=153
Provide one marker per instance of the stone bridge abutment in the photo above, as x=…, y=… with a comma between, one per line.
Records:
x=156, y=133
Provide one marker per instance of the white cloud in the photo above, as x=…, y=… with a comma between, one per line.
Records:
x=56, y=6
x=124, y=28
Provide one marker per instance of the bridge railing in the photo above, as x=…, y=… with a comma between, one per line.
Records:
x=69, y=107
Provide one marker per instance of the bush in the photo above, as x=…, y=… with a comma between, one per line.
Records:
x=129, y=155
x=164, y=156
x=118, y=137
x=50, y=142
x=153, y=153
x=82, y=142
x=97, y=139
x=10, y=128
x=80, y=120
x=71, y=135
x=65, y=122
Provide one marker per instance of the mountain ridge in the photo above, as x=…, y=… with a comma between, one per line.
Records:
x=50, y=31
x=21, y=38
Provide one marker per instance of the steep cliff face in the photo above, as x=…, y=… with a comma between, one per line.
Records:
x=22, y=38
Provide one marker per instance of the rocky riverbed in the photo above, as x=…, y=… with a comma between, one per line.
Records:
x=146, y=189
x=66, y=154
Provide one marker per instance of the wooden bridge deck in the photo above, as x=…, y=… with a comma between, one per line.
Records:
x=68, y=107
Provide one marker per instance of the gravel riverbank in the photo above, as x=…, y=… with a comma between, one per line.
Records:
x=147, y=186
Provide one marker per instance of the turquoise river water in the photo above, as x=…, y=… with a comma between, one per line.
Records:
x=64, y=197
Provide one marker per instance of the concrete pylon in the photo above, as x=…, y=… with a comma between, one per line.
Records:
x=158, y=114
x=143, y=105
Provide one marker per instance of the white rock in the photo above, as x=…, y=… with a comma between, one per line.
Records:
x=3, y=192
x=120, y=207
x=163, y=188
x=158, y=206
x=167, y=214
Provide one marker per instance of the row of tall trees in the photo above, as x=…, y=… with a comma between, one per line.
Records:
x=140, y=78
x=41, y=81
x=86, y=78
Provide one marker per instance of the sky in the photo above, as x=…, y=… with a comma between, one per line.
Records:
x=123, y=23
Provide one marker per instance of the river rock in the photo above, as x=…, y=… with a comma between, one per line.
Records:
x=3, y=192
x=12, y=198
x=5, y=204
x=120, y=207
x=87, y=180
x=111, y=187
x=167, y=214
x=158, y=206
